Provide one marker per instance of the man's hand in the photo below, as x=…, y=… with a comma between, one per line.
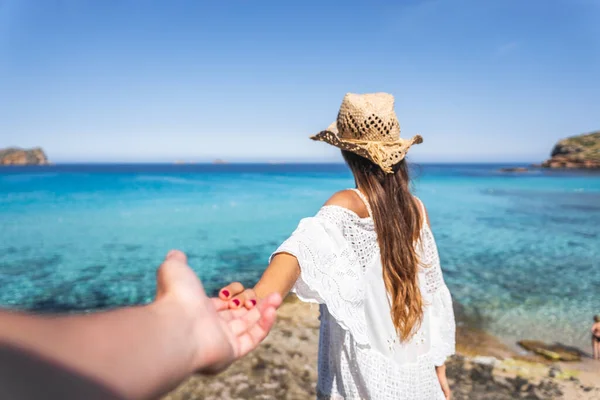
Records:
x=142, y=352
x=221, y=335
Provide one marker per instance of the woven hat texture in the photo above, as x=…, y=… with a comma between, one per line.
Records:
x=367, y=125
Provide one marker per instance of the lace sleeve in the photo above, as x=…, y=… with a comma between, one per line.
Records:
x=443, y=326
x=330, y=271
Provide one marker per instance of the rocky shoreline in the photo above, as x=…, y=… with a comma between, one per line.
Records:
x=284, y=367
x=16, y=156
x=580, y=152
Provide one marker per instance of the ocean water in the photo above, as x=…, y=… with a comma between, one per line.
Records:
x=520, y=252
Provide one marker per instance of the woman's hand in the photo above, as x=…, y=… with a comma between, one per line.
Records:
x=221, y=333
x=279, y=277
x=237, y=296
x=441, y=374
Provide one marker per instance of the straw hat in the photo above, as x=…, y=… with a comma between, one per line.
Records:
x=367, y=125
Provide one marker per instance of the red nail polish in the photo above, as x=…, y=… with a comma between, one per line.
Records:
x=236, y=302
x=253, y=302
x=225, y=293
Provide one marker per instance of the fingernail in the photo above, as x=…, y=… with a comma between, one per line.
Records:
x=253, y=302
x=225, y=293
x=236, y=302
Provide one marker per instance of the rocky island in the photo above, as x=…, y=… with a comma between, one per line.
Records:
x=16, y=156
x=582, y=151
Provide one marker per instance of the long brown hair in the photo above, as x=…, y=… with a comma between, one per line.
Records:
x=397, y=223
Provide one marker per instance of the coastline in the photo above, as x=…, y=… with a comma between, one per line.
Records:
x=514, y=282
x=285, y=367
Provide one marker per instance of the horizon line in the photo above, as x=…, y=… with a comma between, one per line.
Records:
x=257, y=163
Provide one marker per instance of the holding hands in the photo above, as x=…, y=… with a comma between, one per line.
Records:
x=281, y=275
x=223, y=333
x=235, y=296
x=137, y=352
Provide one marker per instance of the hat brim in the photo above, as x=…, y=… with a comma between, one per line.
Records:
x=384, y=154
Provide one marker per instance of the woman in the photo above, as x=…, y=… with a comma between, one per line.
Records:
x=596, y=337
x=369, y=258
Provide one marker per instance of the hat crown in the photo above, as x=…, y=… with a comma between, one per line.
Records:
x=367, y=125
x=368, y=117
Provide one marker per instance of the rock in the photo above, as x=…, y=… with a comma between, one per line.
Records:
x=553, y=352
x=577, y=152
x=485, y=360
x=521, y=384
x=549, y=389
x=481, y=373
x=15, y=156
x=554, y=371
x=514, y=169
x=284, y=367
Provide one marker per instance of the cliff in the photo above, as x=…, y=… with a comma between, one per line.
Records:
x=581, y=151
x=15, y=156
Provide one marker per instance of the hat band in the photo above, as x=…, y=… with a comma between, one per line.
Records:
x=416, y=139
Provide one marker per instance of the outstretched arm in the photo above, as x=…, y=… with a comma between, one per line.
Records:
x=284, y=270
x=142, y=352
x=279, y=277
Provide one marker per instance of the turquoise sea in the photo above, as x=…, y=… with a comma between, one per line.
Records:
x=521, y=252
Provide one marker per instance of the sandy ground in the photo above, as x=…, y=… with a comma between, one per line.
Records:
x=284, y=367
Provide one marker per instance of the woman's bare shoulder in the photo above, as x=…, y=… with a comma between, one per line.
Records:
x=349, y=200
x=423, y=209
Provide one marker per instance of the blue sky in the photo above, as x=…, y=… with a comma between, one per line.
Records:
x=251, y=80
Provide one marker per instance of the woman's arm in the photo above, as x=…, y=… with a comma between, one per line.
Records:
x=279, y=277
x=441, y=374
x=284, y=270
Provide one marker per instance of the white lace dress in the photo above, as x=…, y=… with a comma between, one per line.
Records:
x=360, y=354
